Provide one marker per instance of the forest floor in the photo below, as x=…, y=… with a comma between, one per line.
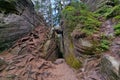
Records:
x=26, y=67
x=62, y=71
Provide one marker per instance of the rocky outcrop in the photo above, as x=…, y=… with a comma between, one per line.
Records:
x=38, y=42
x=98, y=52
x=105, y=66
x=14, y=26
x=110, y=68
x=34, y=43
x=26, y=59
x=110, y=65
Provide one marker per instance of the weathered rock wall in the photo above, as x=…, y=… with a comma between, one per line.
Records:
x=14, y=26
x=91, y=49
x=110, y=67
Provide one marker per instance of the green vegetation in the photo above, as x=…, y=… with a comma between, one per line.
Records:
x=108, y=12
x=78, y=16
x=113, y=12
x=117, y=29
x=109, y=9
x=104, y=45
x=37, y=6
x=73, y=62
x=103, y=11
x=77, y=13
x=117, y=18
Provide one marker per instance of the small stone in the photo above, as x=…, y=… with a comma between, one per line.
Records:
x=59, y=61
x=118, y=42
x=11, y=68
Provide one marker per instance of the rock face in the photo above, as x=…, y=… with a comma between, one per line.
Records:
x=84, y=44
x=110, y=62
x=38, y=42
x=14, y=26
x=110, y=67
x=99, y=52
x=24, y=60
x=33, y=43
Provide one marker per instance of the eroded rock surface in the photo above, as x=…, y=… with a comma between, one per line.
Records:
x=24, y=60
x=14, y=26
x=110, y=68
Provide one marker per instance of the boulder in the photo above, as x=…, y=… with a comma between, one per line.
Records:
x=110, y=68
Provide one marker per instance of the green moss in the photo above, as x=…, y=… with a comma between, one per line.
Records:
x=117, y=18
x=114, y=12
x=103, y=11
x=70, y=58
x=104, y=45
x=79, y=14
x=109, y=11
x=117, y=29
x=73, y=62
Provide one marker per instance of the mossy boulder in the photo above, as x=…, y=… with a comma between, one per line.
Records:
x=73, y=61
x=79, y=14
x=80, y=29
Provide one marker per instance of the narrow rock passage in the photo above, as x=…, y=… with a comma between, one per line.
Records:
x=24, y=60
x=30, y=66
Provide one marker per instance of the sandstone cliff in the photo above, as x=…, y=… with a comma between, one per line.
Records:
x=14, y=26
x=90, y=38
